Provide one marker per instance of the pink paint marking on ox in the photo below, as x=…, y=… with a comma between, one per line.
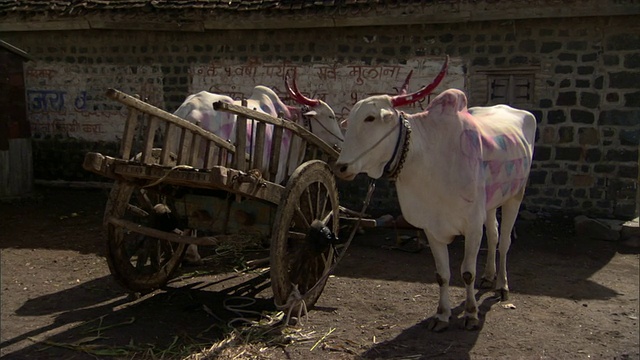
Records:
x=198, y=108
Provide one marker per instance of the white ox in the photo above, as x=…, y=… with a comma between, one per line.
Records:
x=453, y=169
x=316, y=115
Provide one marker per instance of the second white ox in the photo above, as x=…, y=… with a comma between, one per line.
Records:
x=316, y=115
x=198, y=109
x=453, y=168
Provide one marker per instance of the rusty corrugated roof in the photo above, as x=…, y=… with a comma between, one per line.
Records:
x=70, y=7
x=198, y=15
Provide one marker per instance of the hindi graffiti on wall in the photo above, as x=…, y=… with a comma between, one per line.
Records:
x=69, y=100
x=339, y=85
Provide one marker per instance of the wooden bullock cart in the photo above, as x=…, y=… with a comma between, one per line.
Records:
x=208, y=186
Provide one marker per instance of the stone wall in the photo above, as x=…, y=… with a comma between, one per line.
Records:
x=584, y=74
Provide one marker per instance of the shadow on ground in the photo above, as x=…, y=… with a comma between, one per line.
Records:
x=164, y=323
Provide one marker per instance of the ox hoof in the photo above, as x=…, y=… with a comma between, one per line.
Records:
x=486, y=283
x=471, y=323
x=502, y=294
x=436, y=325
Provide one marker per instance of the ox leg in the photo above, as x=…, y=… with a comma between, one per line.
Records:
x=468, y=269
x=440, y=251
x=509, y=214
x=491, y=227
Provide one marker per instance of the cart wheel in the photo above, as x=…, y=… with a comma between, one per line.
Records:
x=297, y=258
x=141, y=263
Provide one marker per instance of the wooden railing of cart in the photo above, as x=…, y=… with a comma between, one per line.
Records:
x=201, y=158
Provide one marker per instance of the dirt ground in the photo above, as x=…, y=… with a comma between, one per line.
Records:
x=570, y=298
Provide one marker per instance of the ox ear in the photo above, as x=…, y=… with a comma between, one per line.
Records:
x=310, y=113
x=387, y=115
x=344, y=123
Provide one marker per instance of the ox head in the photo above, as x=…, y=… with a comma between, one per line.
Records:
x=372, y=137
x=321, y=117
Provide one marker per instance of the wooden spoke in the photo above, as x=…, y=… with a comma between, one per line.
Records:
x=137, y=211
x=306, y=224
x=295, y=235
x=309, y=202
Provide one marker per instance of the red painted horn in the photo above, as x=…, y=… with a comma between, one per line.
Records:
x=401, y=100
x=405, y=87
x=296, y=94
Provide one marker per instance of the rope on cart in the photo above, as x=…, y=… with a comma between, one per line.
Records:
x=177, y=167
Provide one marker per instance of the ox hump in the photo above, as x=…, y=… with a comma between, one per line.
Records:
x=449, y=102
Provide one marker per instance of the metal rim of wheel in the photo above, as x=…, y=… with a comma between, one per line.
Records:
x=310, y=194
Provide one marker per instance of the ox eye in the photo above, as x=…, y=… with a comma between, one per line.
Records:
x=369, y=119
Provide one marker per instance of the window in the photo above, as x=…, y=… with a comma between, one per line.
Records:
x=510, y=89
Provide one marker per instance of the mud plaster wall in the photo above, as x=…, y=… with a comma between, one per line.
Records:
x=585, y=93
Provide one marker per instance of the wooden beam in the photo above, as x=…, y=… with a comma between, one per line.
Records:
x=163, y=235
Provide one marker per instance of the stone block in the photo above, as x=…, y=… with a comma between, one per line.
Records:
x=629, y=41
x=593, y=155
x=632, y=61
x=583, y=83
x=588, y=136
x=589, y=100
x=619, y=117
x=527, y=46
x=622, y=155
x=559, y=178
x=599, y=82
x=568, y=98
x=446, y=38
x=548, y=47
x=579, y=193
x=629, y=172
x=582, y=117
x=519, y=60
x=582, y=180
x=496, y=49
x=565, y=134
x=624, y=80
x=585, y=70
x=556, y=117
x=545, y=103
x=538, y=177
x=568, y=153
x=564, y=69
x=629, y=137
x=604, y=169
x=577, y=45
x=632, y=99
x=481, y=61
x=542, y=153
x=613, y=97
x=568, y=57
x=590, y=57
